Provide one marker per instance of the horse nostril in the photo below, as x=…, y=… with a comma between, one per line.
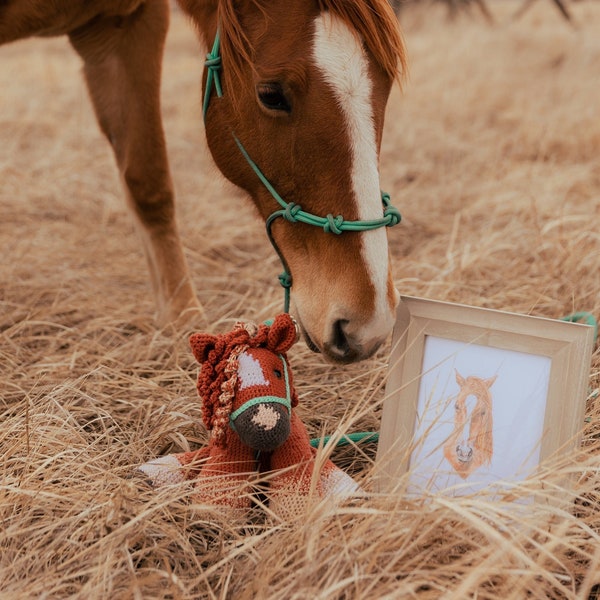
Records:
x=341, y=347
x=345, y=342
x=339, y=339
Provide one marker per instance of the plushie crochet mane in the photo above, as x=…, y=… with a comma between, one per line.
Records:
x=219, y=357
x=247, y=393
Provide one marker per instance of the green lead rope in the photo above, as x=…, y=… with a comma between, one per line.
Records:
x=362, y=437
x=583, y=317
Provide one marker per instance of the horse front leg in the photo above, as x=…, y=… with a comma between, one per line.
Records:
x=122, y=66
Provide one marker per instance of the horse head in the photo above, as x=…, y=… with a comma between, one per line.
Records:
x=246, y=384
x=471, y=443
x=300, y=104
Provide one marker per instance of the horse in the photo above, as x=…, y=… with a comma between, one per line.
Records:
x=247, y=391
x=294, y=104
x=471, y=443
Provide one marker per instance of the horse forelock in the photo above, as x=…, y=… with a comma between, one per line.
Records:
x=377, y=25
x=373, y=20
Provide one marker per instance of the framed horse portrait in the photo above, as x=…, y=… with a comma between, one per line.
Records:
x=477, y=399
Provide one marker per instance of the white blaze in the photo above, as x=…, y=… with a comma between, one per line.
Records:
x=339, y=55
x=250, y=372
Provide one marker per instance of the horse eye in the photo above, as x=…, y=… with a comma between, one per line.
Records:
x=277, y=373
x=271, y=96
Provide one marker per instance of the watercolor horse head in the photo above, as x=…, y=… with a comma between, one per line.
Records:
x=471, y=442
x=300, y=98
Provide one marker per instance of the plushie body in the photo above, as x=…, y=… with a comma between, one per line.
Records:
x=247, y=393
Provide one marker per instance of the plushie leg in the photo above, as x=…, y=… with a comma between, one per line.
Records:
x=291, y=487
x=218, y=472
x=224, y=478
x=174, y=468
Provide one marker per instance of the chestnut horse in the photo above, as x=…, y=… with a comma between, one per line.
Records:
x=300, y=103
x=471, y=443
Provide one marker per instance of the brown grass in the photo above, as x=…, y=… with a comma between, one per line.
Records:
x=493, y=156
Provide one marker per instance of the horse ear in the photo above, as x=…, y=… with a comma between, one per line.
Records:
x=282, y=333
x=459, y=378
x=202, y=344
x=490, y=382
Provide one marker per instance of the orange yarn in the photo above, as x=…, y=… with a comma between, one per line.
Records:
x=218, y=356
x=224, y=470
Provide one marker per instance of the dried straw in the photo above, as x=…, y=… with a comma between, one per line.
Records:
x=492, y=155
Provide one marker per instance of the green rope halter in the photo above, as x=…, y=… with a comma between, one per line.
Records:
x=290, y=211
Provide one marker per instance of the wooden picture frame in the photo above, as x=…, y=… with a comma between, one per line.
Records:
x=450, y=362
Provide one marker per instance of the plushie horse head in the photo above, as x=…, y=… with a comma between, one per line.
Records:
x=247, y=394
x=245, y=383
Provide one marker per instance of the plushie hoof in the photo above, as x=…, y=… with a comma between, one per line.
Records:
x=337, y=484
x=291, y=494
x=164, y=470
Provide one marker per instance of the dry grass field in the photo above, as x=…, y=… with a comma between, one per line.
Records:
x=492, y=154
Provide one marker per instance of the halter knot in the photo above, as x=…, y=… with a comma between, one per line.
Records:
x=333, y=224
x=291, y=211
x=213, y=62
x=285, y=279
x=392, y=214
x=213, y=66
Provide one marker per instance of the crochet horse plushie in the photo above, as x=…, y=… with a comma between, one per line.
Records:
x=246, y=387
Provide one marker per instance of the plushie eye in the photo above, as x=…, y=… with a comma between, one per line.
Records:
x=272, y=97
x=277, y=373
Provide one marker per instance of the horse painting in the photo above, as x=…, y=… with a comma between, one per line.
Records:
x=471, y=443
x=295, y=96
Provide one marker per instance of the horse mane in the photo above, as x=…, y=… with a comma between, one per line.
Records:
x=373, y=20
x=485, y=438
x=218, y=374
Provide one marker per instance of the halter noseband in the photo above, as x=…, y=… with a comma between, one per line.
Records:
x=289, y=210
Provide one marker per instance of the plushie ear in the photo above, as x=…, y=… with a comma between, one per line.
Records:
x=202, y=344
x=283, y=334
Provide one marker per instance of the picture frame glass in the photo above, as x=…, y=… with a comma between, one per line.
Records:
x=471, y=401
